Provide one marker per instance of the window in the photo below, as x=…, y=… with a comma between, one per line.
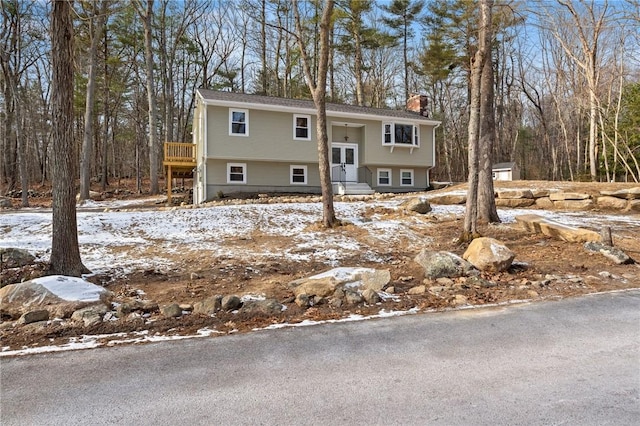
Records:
x=401, y=134
x=301, y=124
x=239, y=122
x=236, y=173
x=387, y=134
x=384, y=177
x=406, y=177
x=298, y=175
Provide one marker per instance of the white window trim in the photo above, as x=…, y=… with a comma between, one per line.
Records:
x=246, y=122
x=415, y=134
x=244, y=173
x=306, y=180
x=412, y=177
x=295, y=118
x=378, y=177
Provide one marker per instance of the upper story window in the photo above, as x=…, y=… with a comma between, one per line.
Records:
x=400, y=134
x=301, y=127
x=239, y=122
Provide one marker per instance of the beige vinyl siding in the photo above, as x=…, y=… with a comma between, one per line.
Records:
x=419, y=179
x=270, y=137
x=378, y=154
x=260, y=176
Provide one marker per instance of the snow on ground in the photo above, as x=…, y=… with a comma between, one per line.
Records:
x=132, y=240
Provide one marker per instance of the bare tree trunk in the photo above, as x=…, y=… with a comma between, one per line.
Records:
x=87, y=141
x=65, y=252
x=486, y=198
x=22, y=156
x=154, y=146
x=319, y=91
x=470, y=230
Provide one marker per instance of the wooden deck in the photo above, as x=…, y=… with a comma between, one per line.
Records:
x=179, y=162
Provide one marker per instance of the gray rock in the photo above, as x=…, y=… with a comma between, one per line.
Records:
x=267, y=307
x=419, y=205
x=34, y=316
x=5, y=203
x=443, y=264
x=303, y=300
x=370, y=296
x=336, y=303
x=230, y=302
x=480, y=282
x=90, y=315
x=15, y=258
x=612, y=253
x=352, y=297
x=208, y=306
x=172, y=311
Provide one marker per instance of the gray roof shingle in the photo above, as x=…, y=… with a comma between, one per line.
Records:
x=214, y=95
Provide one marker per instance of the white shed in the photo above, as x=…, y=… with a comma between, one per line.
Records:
x=506, y=171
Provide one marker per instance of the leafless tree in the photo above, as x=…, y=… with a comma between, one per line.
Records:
x=482, y=54
x=96, y=27
x=65, y=252
x=318, y=89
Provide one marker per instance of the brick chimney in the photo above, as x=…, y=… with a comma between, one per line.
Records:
x=418, y=103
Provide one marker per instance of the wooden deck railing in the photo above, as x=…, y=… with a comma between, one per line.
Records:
x=178, y=152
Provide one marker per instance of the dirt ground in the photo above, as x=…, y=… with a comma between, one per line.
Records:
x=544, y=268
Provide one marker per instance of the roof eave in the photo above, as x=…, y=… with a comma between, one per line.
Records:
x=312, y=111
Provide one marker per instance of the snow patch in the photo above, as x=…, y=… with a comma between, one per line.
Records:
x=71, y=289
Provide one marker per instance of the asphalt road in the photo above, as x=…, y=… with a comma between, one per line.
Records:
x=574, y=361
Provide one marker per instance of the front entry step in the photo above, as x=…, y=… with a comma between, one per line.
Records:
x=352, y=188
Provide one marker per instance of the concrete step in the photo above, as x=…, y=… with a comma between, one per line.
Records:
x=352, y=188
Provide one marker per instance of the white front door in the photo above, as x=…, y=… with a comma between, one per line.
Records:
x=344, y=162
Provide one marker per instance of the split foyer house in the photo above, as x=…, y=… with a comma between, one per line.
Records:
x=253, y=143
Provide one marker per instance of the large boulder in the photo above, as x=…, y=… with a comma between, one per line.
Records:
x=15, y=258
x=443, y=264
x=488, y=254
x=515, y=194
x=608, y=202
x=538, y=224
x=544, y=203
x=60, y=295
x=627, y=194
x=574, y=204
x=515, y=202
x=563, y=196
x=208, y=306
x=5, y=203
x=612, y=253
x=326, y=283
x=321, y=287
x=419, y=205
x=448, y=199
x=633, y=207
